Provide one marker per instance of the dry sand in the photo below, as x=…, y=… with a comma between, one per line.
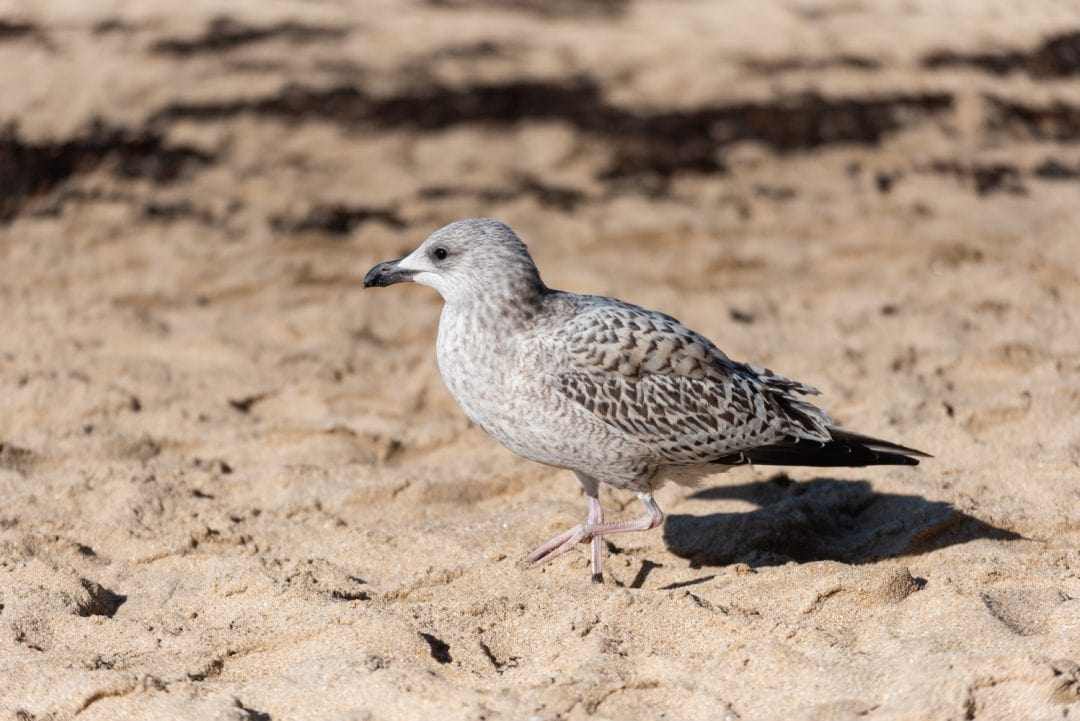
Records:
x=232, y=484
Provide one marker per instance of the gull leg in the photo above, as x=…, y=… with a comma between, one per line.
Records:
x=653, y=517
x=566, y=540
x=596, y=517
x=594, y=529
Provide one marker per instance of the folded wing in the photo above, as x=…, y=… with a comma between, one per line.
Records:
x=674, y=391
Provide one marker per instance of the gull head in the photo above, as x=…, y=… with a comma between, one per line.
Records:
x=479, y=259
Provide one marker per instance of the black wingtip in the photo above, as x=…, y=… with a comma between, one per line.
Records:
x=845, y=449
x=895, y=459
x=877, y=444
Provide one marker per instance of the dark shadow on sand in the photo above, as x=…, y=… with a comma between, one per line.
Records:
x=820, y=519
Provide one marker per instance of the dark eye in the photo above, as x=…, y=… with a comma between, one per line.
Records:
x=440, y=253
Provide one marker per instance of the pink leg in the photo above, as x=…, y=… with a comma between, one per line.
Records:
x=560, y=544
x=596, y=517
x=593, y=530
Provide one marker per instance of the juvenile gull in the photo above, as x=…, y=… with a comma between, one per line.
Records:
x=614, y=392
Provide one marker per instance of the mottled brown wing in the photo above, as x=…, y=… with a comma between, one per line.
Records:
x=674, y=391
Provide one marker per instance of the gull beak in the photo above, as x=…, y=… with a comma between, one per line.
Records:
x=387, y=273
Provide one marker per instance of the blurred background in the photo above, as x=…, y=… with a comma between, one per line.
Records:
x=880, y=198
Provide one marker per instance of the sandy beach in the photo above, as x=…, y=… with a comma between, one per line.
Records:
x=234, y=486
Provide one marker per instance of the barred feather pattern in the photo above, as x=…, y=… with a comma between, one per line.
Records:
x=673, y=390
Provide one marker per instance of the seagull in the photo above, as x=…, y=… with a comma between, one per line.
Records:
x=616, y=393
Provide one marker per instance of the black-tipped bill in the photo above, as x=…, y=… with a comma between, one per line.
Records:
x=387, y=273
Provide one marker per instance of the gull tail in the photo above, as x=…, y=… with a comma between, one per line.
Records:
x=845, y=448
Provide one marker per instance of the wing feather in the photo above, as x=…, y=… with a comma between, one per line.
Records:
x=673, y=390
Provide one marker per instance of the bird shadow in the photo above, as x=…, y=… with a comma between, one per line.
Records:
x=817, y=520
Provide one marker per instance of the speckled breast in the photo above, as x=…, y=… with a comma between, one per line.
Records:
x=498, y=391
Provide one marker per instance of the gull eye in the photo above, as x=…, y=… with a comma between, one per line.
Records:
x=440, y=253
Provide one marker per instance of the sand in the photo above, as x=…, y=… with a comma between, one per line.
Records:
x=233, y=485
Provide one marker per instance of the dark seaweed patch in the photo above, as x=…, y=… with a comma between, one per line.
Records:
x=654, y=144
x=794, y=64
x=545, y=8
x=223, y=34
x=344, y=105
x=111, y=25
x=29, y=169
x=438, y=107
x=550, y=196
x=663, y=143
x=1051, y=169
x=987, y=179
x=428, y=108
x=1057, y=57
x=1058, y=121
x=15, y=30
x=338, y=219
x=478, y=49
x=173, y=212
